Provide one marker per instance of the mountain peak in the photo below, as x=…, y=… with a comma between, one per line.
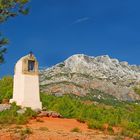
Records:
x=80, y=73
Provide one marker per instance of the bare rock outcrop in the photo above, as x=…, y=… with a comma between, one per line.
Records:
x=52, y=114
x=4, y=107
x=80, y=73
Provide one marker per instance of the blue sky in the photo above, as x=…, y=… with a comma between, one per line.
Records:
x=57, y=29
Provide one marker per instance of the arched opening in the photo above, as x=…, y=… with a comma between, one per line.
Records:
x=31, y=65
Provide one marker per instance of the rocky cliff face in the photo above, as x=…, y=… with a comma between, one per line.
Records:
x=80, y=73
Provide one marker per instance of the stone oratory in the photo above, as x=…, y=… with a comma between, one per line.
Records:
x=26, y=83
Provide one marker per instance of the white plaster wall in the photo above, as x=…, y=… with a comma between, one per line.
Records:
x=26, y=88
x=18, y=90
x=31, y=92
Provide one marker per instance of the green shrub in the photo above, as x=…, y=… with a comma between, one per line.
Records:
x=137, y=90
x=24, y=133
x=9, y=116
x=110, y=130
x=95, y=125
x=6, y=88
x=20, y=120
x=12, y=117
x=30, y=113
x=127, y=133
x=81, y=120
x=76, y=129
x=133, y=126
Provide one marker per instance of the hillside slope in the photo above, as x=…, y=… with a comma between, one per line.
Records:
x=79, y=74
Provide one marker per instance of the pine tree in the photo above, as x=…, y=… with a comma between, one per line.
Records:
x=10, y=9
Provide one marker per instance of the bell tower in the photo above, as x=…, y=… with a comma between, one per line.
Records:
x=26, y=83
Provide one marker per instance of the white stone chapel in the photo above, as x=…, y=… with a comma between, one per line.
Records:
x=26, y=83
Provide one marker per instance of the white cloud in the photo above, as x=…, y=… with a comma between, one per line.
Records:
x=81, y=20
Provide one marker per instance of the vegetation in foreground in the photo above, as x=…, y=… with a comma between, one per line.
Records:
x=96, y=114
x=126, y=117
x=6, y=88
x=12, y=117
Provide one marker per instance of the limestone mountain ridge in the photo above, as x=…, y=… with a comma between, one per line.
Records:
x=79, y=74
